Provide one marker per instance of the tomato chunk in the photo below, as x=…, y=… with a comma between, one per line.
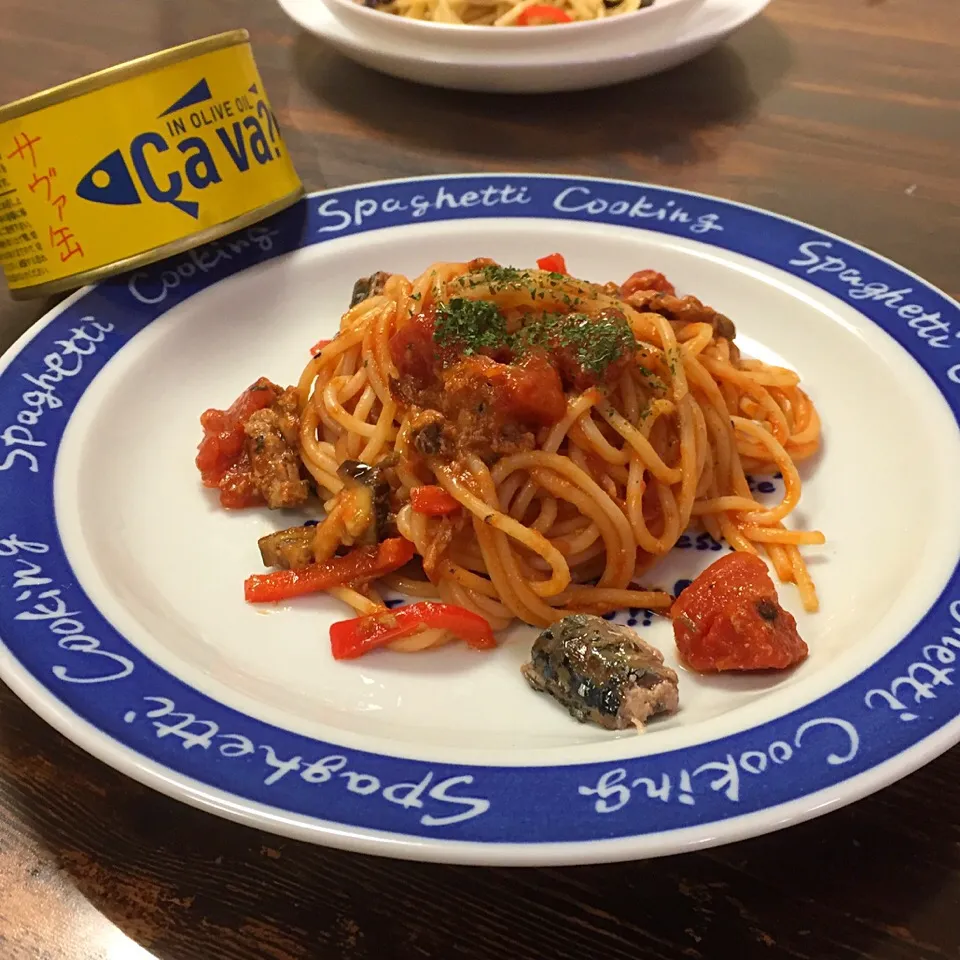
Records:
x=222, y=458
x=412, y=349
x=729, y=618
x=646, y=280
x=533, y=392
x=553, y=263
x=529, y=393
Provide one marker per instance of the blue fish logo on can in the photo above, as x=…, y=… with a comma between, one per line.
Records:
x=124, y=178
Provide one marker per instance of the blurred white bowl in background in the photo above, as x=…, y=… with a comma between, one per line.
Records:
x=652, y=24
x=482, y=66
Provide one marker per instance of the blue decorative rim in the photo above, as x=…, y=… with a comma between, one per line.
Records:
x=60, y=638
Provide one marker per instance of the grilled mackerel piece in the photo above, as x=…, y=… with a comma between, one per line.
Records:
x=602, y=672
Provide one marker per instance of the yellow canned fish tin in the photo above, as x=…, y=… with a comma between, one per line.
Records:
x=136, y=163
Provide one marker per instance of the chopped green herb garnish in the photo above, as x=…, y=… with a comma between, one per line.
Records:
x=592, y=342
x=672, y=360
x=498, y=279
x=596, y=342
x=504, y=275
x=471, y=325
x=652, y=379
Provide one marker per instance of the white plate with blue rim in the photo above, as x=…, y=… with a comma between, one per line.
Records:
x=122, y=614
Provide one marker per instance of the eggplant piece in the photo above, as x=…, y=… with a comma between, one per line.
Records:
x=287, y=549
x=370, y=491
x=431, y=436
x=601, y=672
x=429, y=440
x=368, y=286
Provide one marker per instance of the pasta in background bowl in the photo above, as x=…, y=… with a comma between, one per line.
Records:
x=507, y=13
x=660, y=19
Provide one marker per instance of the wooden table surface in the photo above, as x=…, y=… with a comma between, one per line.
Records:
x=844, y=113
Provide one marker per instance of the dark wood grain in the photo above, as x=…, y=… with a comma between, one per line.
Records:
x=846, y=114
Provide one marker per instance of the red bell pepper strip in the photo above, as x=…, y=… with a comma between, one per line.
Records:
x=541, y=14
x=350, y=639
x=360, y=565
x=316, y=349
x=554, y=263
x=432, y=500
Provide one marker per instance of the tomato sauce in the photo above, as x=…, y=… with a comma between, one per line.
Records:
x=496, y=378
x=528, y=392
x=490, y=401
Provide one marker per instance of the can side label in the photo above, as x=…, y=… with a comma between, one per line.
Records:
x=144, y=162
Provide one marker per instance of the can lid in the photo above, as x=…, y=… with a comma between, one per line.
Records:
x=122, y=71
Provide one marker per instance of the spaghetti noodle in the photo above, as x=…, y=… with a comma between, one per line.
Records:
x=540, y=441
